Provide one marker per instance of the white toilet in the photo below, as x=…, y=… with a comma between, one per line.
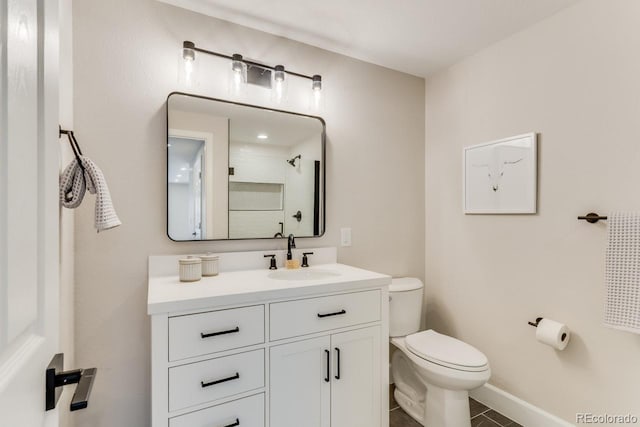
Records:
x=432, y=372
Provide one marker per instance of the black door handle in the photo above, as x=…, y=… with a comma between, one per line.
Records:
x=215, y=334
x=337, y=313
x=337, y=364
x=224, y=380
x=56, y=378
x=327, y=378
x=236, y=423
x=80, y=398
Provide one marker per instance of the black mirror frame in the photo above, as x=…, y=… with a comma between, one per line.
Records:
x=323, y=208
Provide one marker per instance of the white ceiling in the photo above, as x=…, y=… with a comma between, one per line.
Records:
x=246, y=123
x=414, y=36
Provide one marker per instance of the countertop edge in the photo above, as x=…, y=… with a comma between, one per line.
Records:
x=259, y=297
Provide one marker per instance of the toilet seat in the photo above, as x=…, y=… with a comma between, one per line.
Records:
x=446, y=351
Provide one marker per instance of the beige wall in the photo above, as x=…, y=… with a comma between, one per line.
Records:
x=126, y=56
x=574, y=79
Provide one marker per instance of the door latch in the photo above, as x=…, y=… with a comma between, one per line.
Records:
x=56, y=378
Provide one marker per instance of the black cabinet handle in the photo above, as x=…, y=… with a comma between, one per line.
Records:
x=327, y=378
x=224, y=380
x=337, y=364
x=215, y=334
x=237, y=423
x=337, y=313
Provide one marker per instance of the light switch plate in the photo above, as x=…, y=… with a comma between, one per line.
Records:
x=345, y=236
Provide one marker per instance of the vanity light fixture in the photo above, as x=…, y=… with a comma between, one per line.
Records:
x=273, y=77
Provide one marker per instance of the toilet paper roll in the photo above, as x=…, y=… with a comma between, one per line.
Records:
x=552, y=333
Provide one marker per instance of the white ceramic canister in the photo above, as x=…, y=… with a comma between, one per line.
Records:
x=190, y=269
x=209, y=264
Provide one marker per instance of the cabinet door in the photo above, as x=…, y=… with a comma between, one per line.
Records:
x=355, y=387
x=300, y=384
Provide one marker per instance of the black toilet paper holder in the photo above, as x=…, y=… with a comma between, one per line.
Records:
x=536, y=323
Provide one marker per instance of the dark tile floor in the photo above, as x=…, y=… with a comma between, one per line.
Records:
x=481, y=416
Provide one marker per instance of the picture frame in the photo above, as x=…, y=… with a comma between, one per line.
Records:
x=500, y=177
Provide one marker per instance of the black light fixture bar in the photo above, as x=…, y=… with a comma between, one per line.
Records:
x=190, y=45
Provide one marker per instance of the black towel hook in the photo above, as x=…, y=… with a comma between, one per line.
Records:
x=75, y=147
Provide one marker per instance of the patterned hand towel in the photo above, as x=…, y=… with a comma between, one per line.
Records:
x=73, y=188
x=622, y=272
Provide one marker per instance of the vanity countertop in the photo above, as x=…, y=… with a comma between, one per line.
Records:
x=168, y=294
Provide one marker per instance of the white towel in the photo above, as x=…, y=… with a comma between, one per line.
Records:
x=73, y=188
x=622, y=272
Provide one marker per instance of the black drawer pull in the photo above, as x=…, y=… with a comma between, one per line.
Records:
x=337, y=313
x=237, y=423
x=224, y=380
x=215, y=334
x=337, y=376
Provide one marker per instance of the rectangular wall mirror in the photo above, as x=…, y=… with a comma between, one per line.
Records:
x=237, y=171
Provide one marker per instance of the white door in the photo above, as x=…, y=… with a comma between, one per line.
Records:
x=300, y=384
x=28, y=208
x=355, y=388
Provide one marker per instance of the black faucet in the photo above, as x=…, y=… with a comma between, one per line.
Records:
x=291, y=243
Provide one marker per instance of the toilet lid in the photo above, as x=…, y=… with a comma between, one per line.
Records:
x=446, y=351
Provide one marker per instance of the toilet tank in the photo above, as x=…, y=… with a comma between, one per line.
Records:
x=405, y=306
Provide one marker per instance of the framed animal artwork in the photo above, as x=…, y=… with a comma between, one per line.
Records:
x=500, y=177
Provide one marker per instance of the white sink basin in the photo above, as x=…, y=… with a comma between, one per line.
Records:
x=302, y=274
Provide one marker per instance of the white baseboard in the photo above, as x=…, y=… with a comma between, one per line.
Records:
x=515, y=408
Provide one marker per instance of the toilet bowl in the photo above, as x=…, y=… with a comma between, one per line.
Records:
x=433, y=373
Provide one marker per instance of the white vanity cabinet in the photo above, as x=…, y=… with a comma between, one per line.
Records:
x=327, y=381
x=287, y=355
x=298, y=387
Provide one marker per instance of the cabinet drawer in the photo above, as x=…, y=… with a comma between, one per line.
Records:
x=214, y=379
x=306, y=316
x=247, y=412
x=204, y=333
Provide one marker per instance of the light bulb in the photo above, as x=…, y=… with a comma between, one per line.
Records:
x=278, y=74
x=316, y=83
x=188, y=58
x=188, y=54
x=279, y=84
x=238, y=77
x=237, y=64
x=316, y=98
